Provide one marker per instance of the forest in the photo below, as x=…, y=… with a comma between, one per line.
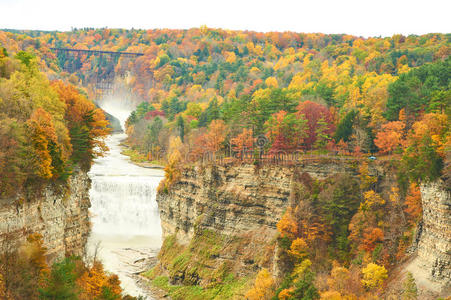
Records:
x=207, y=90
x=309, y=92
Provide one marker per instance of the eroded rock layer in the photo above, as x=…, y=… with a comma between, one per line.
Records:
x=434, y=248
x=59, y=214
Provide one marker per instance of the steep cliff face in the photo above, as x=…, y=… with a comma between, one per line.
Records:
x=233, y=199
x=61, y=217
x=241, y=205
x=434, y=248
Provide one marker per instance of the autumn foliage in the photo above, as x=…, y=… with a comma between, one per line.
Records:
x=48, y=131
x=26, y=274
x=263, y=287
x=391, y=137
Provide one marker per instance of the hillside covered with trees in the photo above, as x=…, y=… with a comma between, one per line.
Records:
x=46, y=128
x=303, y=91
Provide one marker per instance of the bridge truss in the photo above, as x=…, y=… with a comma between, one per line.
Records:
x=107, y=60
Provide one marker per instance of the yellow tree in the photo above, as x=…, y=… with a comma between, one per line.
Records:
x=373, y=276
x=216, y=135
x=263, y=288
x=298, y=249
x=287, y=225
x=412, y=204
x=435, y=125
x=93, y=281
x=172, y=169
x=271, y=82
x=87, y=124
x=42, y=132
x=339, y=279
x=3, y=293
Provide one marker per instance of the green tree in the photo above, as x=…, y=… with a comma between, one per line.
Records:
x=417, y=88
x=339, y=202
x=210, y=114
x=344, y=128
x=60, y=284
x=421, y=161
x=322, y=136
x=173, y=107
x=410, y=291
x=266, y=102
x=181, y=127
x=304, y=288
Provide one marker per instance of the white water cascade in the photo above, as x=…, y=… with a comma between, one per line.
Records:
x=124, y=214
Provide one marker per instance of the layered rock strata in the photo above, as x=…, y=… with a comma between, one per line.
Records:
x=59, y=214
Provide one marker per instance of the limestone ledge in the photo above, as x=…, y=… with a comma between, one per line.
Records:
x=59, y=214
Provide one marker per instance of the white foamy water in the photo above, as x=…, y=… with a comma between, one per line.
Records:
x=120, y=109
x=124, y=214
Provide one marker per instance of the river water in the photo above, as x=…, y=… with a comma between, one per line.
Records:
x=124, y=214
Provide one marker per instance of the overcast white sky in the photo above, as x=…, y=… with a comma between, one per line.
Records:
x=358, y=17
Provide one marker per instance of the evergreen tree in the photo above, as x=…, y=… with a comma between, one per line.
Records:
x=344, y=128
x=60, y=284
x=181, y=127
x=304, y=288
x=410, y=291
x=210, y=114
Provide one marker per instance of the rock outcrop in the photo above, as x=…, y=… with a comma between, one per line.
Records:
x=434, y=248
x=233, y=199
x=59, y=214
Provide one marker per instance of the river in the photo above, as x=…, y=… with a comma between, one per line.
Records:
x=124, y=215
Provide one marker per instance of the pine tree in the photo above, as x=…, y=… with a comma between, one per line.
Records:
x=410, y=290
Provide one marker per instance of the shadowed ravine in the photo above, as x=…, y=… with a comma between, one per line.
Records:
x=124, y=214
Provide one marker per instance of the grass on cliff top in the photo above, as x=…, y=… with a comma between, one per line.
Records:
x=231, y=288
x=196, y=264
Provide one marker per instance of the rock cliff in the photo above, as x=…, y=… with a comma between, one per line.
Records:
x=233, y=199
x=230, y=200
x=434, y=247
x=59, y=214
x=244, y=203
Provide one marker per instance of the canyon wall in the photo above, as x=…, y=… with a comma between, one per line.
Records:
x=434, y=247
x=59, y=214
x=234, y=199
x=245, y=203
x=241, y=204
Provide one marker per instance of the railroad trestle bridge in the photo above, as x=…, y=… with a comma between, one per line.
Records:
x=104, y=77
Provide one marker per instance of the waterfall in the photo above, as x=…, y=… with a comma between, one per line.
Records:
x=125, y=205
x=124, y=214
x=121, y=109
